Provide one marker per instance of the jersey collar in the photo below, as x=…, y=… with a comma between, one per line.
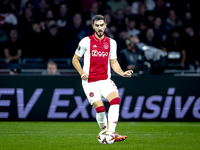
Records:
x=98, y=40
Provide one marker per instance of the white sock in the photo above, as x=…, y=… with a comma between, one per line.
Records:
x=113, y=115
x=101, y=120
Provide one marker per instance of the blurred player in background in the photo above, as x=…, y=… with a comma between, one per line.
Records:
x=100, y=52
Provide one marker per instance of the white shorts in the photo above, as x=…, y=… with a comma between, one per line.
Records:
x=99, y=89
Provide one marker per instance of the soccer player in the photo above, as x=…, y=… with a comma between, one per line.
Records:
x=100, y=52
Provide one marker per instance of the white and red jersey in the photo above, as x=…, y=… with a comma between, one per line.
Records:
x=97, y=54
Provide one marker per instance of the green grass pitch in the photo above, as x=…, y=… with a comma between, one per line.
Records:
x=83, y=136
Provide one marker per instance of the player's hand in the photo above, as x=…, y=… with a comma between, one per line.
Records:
x=127, y=73
x=84, y=76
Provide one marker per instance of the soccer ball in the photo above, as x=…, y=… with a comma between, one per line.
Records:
x=106, y=137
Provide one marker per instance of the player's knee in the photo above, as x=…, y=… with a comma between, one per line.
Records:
x=100, y=109
x=115, y=101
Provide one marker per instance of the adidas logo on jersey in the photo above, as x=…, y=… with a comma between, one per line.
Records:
x=94, y=46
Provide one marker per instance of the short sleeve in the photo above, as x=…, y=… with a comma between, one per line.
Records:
x=113, y=50
x=82, y=47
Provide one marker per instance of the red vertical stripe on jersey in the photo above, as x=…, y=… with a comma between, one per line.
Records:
x=99, y=57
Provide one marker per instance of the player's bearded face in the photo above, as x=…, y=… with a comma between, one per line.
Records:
x=99, y=33
x=99, y=28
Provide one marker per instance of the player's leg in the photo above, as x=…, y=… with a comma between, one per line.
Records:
x=94, y=97
x=113, y=114
x=110, y=92
x=100, y=115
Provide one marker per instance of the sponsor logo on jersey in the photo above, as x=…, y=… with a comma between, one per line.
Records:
x=96, y=53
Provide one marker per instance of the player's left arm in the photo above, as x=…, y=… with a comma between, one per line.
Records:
x=116, y=67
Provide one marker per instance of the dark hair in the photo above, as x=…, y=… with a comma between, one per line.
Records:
x=15, y=27
x=29, y=2
x=98, y=17
x=51, y=62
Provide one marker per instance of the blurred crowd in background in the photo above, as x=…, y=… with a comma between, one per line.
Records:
x=53, y=28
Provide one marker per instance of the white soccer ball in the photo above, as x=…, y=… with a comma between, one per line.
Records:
x=106, y=137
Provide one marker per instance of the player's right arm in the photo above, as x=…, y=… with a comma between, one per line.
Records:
x=77, y=66
x=80, y=51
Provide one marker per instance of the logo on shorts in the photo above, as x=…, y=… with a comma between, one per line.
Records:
x=91, y=94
